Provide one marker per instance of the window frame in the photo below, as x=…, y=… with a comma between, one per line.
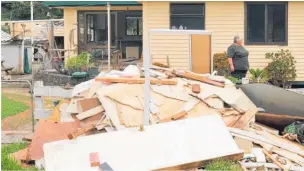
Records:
x=285, y=43
x=188, y=15
x=137, y=20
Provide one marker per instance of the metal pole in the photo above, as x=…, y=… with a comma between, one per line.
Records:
x=109, y=36
x=32, y=97
x=147, y=58
x=147, y=87
x=32, y=28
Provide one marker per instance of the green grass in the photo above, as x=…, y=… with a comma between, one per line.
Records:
x=11, y=107
x=8, y=163
x=220, y=164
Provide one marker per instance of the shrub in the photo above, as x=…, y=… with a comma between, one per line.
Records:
x=258, y=75
x=281, y=70
x=79, y=62
x=220, y=64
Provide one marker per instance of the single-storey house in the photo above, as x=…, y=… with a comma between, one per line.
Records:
x=265, y=26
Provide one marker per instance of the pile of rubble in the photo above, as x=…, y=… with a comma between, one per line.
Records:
x=114, y=101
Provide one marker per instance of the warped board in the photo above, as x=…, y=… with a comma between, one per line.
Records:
x=176, y=144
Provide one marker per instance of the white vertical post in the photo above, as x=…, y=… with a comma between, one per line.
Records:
x=147, y=61
x=32, y=29
x=146, y=57
x=109, y=36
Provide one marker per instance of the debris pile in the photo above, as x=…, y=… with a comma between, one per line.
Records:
x=114, y=101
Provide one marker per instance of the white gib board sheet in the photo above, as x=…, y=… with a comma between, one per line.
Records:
x=158, y=146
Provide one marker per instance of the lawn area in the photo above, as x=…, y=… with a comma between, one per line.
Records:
x=8, y=163
x=11, y=107
x=223, y=165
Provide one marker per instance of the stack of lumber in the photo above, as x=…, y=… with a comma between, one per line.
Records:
x=115, y=101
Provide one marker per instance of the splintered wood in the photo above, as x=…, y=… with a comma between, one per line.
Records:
x=80, y=132
x=188, y=75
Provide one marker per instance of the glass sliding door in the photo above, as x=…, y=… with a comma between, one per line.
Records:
x=97, y=29
x=93, y=32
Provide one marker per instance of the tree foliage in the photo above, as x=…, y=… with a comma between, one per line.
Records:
x=281, y=70
x=21, y=10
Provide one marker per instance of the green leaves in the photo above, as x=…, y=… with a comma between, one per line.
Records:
x=21, y=10
x=82, y=60
x=281, y=70
x=258, y=75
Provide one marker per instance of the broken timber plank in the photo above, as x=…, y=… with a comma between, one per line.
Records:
x=90, y=112
x=262, y=127
x=245, y=119
x=174, y=117
x=256, y=138
x=136, y=80
x=193, y=76
x=80, y=131
x=284, y=153
x=268, y=165
x=274, y=160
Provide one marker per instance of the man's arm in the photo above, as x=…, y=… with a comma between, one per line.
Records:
x=230, y=54
x=231, y=64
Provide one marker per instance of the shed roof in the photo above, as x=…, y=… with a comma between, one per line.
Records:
x=5, y=36
x=88, y=3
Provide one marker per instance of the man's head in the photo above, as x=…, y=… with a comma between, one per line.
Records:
x=238, y=40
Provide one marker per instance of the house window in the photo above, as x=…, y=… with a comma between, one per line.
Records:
x=97, y=28
x=134, y=26
x=187, y=16
x=266, y=23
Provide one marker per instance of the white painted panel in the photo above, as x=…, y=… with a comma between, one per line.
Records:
x=158, y=146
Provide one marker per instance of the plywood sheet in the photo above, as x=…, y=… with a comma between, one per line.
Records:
x=158, y=146
x=128, y=94
x=87, y=103
x=111, y=111
x=201, y=53
x=48, y=131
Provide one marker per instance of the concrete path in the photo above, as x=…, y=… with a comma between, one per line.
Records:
x=8, y=137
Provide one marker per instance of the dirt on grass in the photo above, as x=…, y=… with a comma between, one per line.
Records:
x=22, y=121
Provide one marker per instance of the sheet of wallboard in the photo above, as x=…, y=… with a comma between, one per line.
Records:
x=201, y=53
x=48, y=131
x=179, y=144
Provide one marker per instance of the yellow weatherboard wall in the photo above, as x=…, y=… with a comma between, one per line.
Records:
x=225, y=20
x=156, y=15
